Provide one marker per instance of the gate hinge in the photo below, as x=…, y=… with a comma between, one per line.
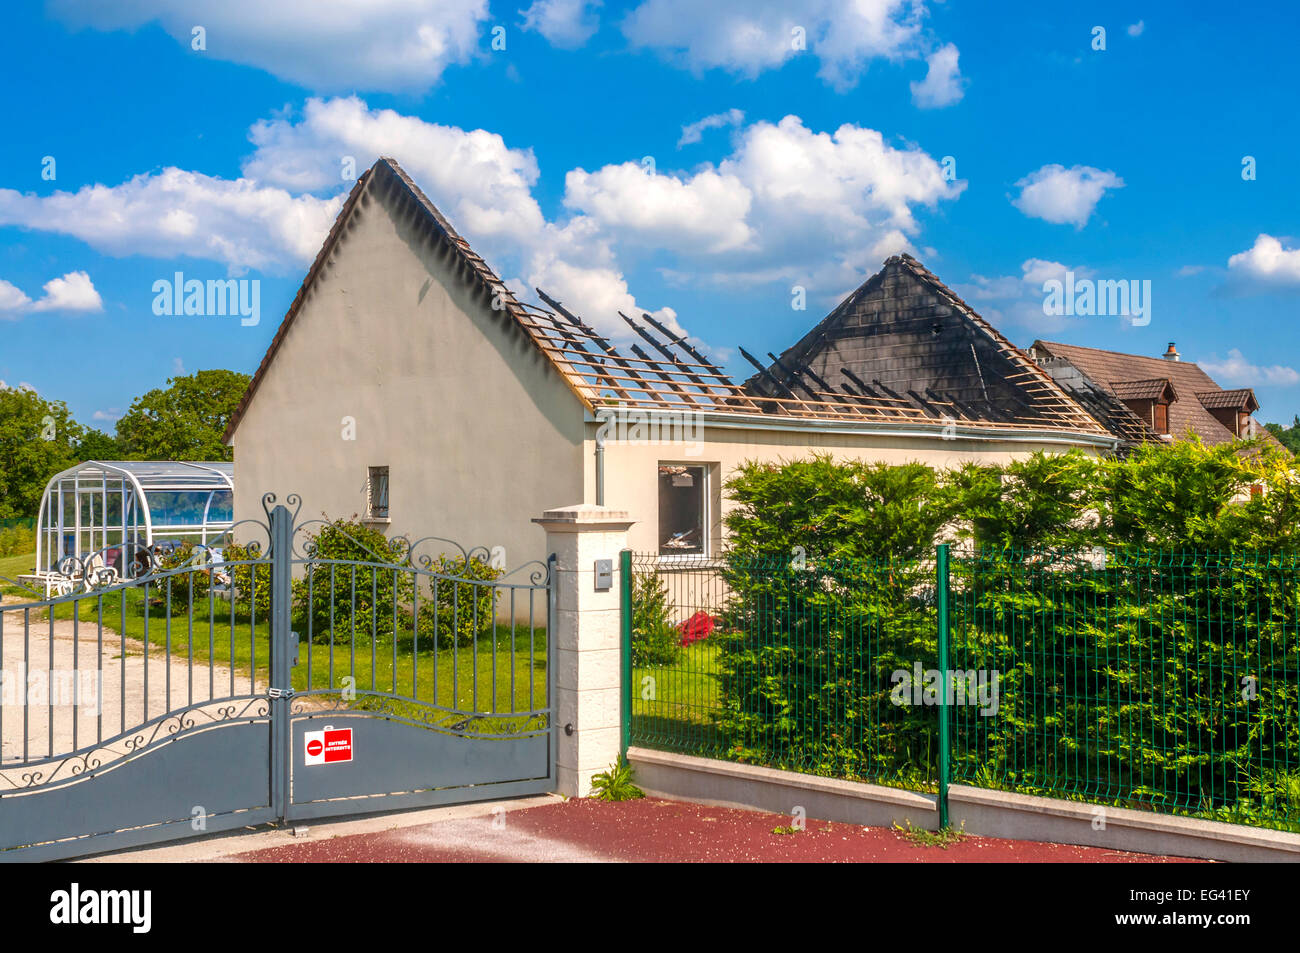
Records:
x=280, y=692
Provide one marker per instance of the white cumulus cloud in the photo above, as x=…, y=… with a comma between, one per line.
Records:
x=1266, y=264
x=567, y=24
x=1064, y=196
x=789, y=204
x=391, y=45
x=74, y=292
x=240, y=223
x=747, y=37
x=1235, y=369
x=943, y=84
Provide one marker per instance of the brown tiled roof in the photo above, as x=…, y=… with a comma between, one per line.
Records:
x=1153, y=389
x=1243, y=398
x=1110, y=367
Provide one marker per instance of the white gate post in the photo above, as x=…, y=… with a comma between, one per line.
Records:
x=587, y=640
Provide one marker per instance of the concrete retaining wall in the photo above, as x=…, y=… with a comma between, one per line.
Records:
x=1025, y=817
x=979, y=811
x=726, y=784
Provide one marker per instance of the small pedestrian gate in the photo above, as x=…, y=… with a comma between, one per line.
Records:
x=311, y=674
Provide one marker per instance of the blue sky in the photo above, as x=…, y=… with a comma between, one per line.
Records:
x=569, y=160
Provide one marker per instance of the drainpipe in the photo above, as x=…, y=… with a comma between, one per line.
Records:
x=600, y=468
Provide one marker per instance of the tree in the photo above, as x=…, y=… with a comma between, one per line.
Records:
x=97, y=445
x=185, y=420
x=1288, y=437
x=37, y=440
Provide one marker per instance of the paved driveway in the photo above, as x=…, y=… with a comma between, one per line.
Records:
x=657, y=831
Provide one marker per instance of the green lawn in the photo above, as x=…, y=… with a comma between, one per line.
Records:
x=675, y=706
x=483, y=677
x=11, y=567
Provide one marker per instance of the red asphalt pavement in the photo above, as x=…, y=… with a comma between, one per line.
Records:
x=663, y=831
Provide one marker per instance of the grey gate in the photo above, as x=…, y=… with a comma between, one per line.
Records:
x=304, y=674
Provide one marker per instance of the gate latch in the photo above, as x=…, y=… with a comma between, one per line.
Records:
x=280, y=692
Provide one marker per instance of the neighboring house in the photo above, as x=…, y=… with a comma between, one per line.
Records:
x=408, y=386
x=1146, y=399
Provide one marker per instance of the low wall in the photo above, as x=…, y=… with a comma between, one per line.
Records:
x=1026, y=817
x=978, y=811
x=727, y=784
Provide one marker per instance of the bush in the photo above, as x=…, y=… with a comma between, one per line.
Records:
x=655, y=641
x=184, y=588
x=17, y=540
x=252, y=583
x=463, y=611
x=356, y=586
x=1120, y=675
x=805, y=663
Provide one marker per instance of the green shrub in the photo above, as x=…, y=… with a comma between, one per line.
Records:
x=252, y=582
x=462, y=611
x=356, y=586
x=17, y=540
x=183, y=589
x=655, y=640
x=1120, y=677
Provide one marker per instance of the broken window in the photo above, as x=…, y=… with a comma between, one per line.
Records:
x=682, y=496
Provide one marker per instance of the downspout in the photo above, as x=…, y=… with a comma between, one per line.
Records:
x=600, y=466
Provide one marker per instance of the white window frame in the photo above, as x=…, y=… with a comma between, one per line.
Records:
x=706, y=506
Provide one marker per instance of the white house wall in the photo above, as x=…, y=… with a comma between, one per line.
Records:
x=479, y=432
x=631, y=469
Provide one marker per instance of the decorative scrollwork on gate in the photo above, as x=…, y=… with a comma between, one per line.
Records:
x=160, y=731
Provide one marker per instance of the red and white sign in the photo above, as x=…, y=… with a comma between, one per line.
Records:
x=328, y=746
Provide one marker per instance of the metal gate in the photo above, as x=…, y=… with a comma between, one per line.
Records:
x=311, y=672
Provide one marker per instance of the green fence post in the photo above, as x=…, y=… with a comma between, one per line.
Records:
x=941, y=601
x=625, y=628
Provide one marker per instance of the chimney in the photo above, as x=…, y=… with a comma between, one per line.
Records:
x=1172, y=353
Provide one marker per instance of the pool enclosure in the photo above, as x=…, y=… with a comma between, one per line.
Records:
x=115, y=512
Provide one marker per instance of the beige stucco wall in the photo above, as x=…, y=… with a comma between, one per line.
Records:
x=631, y=468
x=479, y=431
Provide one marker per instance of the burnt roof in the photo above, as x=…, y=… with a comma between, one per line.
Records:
x=672, y=374
x=905, y=342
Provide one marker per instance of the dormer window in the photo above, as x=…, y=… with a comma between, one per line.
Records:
x=1149, y=399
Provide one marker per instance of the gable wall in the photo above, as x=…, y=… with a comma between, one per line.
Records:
x=479, y=431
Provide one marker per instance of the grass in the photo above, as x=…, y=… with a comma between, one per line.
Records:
x=684, y=701
x=11, y=567
x=942, y=839
x=483, y=677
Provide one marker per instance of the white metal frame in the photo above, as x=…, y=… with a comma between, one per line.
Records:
x=112, y=479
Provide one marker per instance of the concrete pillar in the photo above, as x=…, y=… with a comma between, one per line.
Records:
x=587, y=640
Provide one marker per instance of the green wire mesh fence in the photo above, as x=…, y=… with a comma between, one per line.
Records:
x=1154, y=681
x=771, y=662
x=1148, y=680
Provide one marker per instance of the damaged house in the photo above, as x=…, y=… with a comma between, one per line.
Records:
x=408, y=386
